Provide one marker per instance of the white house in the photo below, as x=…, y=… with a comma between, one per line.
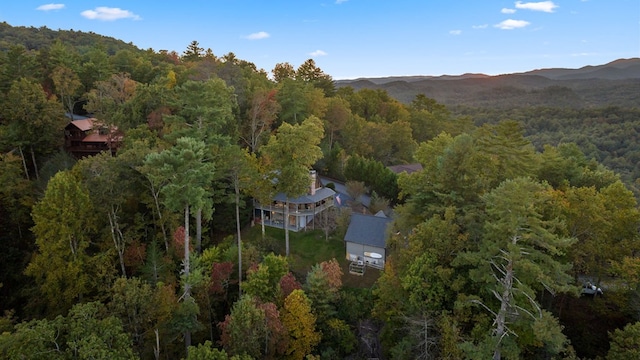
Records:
x=302, y=210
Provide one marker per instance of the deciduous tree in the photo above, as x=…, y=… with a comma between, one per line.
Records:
x=261, y=114
x=244, y=330
x=34, y=121
x=263, y=283
x=300, y=322
x=109, y=101
x=67, y=84
x=86, y=333
x=109, y=182
x=603, y=222
x=64, y=226
x=291, y=153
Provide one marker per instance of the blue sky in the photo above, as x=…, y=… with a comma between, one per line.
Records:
x=362, y=38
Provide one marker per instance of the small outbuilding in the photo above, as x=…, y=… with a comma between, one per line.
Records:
x=365, y=240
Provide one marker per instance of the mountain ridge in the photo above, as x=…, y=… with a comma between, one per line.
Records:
x=551, y=73
x=615, y=83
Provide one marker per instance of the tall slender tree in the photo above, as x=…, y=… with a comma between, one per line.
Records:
x=235, y=166
x=186, y=167
x=292, y=152
x=202, y=110
x=520, y=255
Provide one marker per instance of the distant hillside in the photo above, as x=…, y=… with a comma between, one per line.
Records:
x=616, y=70
x=37, y=38
x=616, y=83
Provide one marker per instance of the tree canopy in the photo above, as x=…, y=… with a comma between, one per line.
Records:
x=501, y=219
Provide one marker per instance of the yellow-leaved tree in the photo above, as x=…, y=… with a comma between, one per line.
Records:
x=301, y=324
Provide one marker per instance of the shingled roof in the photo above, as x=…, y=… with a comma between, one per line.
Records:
x=408, y=168
x=320, y=194
x=368, y=230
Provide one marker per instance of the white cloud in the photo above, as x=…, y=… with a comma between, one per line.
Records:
x=511, y=24
x=507, y=11
x=455, y=32
x=48, y=7
x=546, y=6
x=318, y=53
x=483, y=26
x=341, y=1
x=109, y=14
x=258, y=36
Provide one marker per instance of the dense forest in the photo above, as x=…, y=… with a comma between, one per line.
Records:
x=151, y=254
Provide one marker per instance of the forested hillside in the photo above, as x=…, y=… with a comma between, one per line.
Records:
x=608, y=135
x=42, y=38
x=153, y=251
x=612, y=84
x=595, y=107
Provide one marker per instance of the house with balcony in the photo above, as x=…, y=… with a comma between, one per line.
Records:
x=302, y=210
x=85, y=136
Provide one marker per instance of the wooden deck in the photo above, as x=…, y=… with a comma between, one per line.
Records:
x=357, y=268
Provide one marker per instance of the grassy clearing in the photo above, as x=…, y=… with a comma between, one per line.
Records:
x=308, y=248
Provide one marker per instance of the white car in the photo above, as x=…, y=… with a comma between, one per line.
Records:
x=590, y=289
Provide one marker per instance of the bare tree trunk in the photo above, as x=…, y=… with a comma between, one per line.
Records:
x=210, y=318
x=199, y=231
x=418, y=328
x=237, y=190
x=35, y=164
x=262, y=221
x=505, y=304
x=157, y=203
x=156, y=349
x=286, y=226
x=331, y=140
x=314, y=217
x=24, y=163
x=186, y=249
x=187, y=286
x=326, y=223
x=118, y=239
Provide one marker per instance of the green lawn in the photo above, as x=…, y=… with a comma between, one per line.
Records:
x=308, y=248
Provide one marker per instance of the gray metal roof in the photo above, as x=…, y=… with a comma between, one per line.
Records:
x=368, y=230
x=341, y=189
x=321, y=194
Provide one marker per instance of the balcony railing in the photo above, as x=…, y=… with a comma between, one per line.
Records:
x=311, y=210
